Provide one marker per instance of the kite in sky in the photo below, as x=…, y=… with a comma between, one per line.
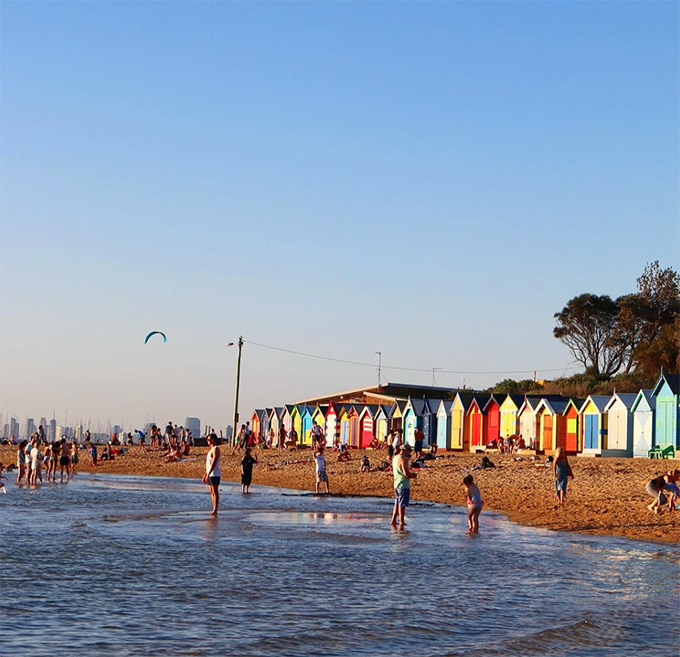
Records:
x=146, y=339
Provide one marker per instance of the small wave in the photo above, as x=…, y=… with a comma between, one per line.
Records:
x=553, y=641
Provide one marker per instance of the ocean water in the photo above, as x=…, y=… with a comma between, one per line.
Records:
x=115, y=565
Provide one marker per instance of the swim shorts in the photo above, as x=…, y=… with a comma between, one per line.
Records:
x=321, y=477
x=673, y=488
x=402, y=496
x=214, y=481
x=418, y=446
x=64, y=460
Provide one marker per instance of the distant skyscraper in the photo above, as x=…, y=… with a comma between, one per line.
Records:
x=193, y=424
x=117, y=429
x=5, y=431
x=30, y=428
x=59, y=432
x=43, y=424
x=52, y=431
x=14, y=428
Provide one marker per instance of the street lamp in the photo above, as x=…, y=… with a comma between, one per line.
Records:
x=238, y=384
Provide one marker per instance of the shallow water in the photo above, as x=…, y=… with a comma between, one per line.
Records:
x=116, y=565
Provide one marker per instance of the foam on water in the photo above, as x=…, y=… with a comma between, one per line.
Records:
x=113, y=565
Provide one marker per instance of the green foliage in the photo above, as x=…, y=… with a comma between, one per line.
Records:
x=510, y=386
x=637, y=331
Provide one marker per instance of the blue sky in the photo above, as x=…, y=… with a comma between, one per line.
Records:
x=432, y=180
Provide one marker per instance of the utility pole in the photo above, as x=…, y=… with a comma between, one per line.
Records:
x=434, y=381
x=238, y=385
x=379, y=365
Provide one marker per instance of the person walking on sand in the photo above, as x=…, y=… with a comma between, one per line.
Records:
x=321, y=474
x=212, y=472
x=562, y=471
x=473, y=499
x=247, y=463
x=283, y=434
x=402, y=486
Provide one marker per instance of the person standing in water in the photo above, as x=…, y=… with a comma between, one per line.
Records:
x=247, y=463
x=473, y=499
x=21, y=462
x=402, y=486
x=321, y=474
x=212, y=472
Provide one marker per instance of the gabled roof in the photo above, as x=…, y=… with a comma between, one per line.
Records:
x=257, y=413
x=628, y=398
x=482, y=400
x=446, y=405
x=465, y=398
x=278, y=410
x=600, y=402
x=554, y=406
x=370, y=409
x=321, y=408
x=358, y=408
x=262, y=413
x=647, y=396
x=496, y=399
x=517, y=400
x=673, y=381
x=401, y=404
x=575, y=402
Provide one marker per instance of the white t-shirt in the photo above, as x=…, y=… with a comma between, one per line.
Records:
x=35, y=454
x=209, y=458
x=320, y=460
x=396, y=442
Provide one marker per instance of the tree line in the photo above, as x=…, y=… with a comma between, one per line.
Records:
x=622, y=343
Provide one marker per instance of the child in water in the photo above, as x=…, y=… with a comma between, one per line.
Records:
x=473, y=499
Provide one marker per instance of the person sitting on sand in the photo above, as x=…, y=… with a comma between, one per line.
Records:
x=365, y=464
x=655, y=488
x=321, y=474
x=473, y=499
x=173, y=455
x=343, y=452
x=562, y=471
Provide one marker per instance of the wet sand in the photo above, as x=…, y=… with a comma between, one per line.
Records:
x=606, y=496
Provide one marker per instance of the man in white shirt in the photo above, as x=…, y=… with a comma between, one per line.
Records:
x=321, y=474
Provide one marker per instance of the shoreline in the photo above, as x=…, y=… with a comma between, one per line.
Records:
x=606, y=496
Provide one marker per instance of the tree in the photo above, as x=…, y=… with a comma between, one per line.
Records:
x=660, y=289
x=588, y=325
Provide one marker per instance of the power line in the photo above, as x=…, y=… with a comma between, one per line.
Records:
x=409, y=369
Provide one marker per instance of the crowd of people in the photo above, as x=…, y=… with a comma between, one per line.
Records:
x=38, y=458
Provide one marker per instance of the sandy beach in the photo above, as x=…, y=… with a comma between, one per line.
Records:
x=606, y=496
